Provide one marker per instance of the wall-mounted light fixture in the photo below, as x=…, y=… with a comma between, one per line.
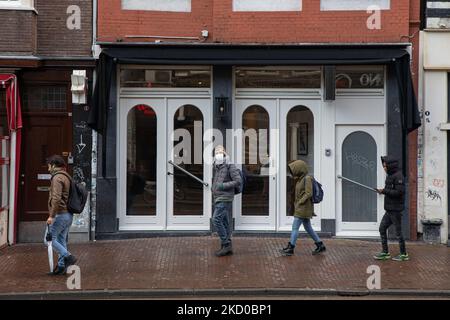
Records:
x=221, y=106
x=79, y=87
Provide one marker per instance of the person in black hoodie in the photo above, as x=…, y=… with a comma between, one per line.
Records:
x=394, y=204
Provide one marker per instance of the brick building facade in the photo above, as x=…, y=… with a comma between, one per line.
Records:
x=42, y=43
x=326, y=75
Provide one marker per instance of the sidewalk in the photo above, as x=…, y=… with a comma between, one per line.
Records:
x=177, y=265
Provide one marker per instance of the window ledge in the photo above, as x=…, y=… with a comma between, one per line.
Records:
x=19, y=8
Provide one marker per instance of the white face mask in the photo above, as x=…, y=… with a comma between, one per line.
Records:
x=219, y=158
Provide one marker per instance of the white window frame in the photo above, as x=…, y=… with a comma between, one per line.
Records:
x=154, y=5
x=349, y=5
x=267, y=6
x=17, y=5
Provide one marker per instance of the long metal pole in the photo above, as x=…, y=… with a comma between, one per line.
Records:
x=188, y=173
x=359, y=184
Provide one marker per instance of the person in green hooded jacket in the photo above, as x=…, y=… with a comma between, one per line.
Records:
x=303, y=207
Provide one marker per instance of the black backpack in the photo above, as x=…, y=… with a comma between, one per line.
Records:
x=317, y=195
x=78, y=195
x=240, y=188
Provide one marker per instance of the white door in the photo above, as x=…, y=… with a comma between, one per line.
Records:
x=358, y=152
x=142, y=166
x=154, y=135
x=256, y=151
x=188, y=200
x=299, y=124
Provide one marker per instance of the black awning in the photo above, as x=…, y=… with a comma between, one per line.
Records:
x=255, y=54
x=221, y=54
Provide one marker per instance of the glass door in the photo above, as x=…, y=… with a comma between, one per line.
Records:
x=358, y=153
x=141, y=187
x=188, y=172
x=299, y=140
x=256, y=151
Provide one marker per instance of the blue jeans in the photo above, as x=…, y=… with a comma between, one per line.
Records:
x=221, y=221
x=60, y=230
x=307, y=224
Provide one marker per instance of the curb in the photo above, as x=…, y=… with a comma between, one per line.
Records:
x=215, y=293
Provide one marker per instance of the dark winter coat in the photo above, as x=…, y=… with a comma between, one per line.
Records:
x=225, y=178
x=304, y=207
x=394, y=189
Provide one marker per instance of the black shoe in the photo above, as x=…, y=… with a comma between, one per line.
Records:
x=319, y=248
x=225, y=251
x=289, y=250
x=57, y=271
x=70, y=260
x=218, y=251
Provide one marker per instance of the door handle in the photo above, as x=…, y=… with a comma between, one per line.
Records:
x=188, y=173
x=170, y=174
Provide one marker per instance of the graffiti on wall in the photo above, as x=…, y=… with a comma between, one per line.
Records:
x=434, y=195
x=3, y=227
x=438, y=183
x=81, y=170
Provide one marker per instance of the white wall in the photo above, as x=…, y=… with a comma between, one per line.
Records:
x=359, y=109
x=435, y=202
x=436, y=50
x=432, y=162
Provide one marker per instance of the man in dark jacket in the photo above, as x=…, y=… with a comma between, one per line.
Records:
x=225, y=179
x=394, y=204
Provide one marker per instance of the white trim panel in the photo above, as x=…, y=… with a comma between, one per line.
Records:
x=267, y=5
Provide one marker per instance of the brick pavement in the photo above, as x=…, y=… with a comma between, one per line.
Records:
x=189, y=263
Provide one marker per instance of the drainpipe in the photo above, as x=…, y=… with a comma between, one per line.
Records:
x=93, y=212
x=94, y=26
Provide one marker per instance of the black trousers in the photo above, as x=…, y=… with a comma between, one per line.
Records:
x=392, y=218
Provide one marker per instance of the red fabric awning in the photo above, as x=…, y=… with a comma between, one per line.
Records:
x=14, y=115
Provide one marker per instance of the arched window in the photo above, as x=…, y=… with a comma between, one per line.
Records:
x=299, y=146
x=256, y=146
x=188, y=153
x=359, y=163
x=141, y=160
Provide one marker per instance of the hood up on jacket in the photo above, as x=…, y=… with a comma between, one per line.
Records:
x=299, y=168
x=391, y=164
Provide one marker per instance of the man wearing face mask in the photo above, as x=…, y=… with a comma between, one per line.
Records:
x=226, y=179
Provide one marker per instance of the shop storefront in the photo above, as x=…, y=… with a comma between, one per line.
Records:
x=161, y=109
x=10, y=155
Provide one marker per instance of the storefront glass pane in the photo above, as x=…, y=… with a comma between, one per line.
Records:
x=371, y=77
x=299, y=146
x=255, y=198
x=141, y=161
x=165, y=78
x=359, y=159
x=188, y=192
x=299, y=79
